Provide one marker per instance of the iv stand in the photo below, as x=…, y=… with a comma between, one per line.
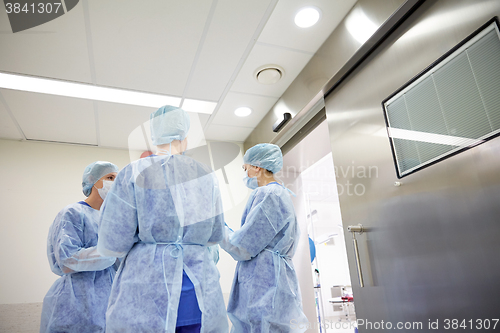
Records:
x=317, y=287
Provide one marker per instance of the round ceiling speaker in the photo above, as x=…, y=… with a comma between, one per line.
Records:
x=269, y=75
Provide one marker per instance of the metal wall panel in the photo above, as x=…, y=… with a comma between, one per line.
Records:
x=329, y=60
x=430, y=252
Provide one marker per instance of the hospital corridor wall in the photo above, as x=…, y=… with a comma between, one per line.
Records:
x=309, y=172
x=39, y=179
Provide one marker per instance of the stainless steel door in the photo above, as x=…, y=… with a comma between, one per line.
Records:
x=430, y=253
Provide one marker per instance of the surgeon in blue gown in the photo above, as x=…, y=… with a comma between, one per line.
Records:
x=265, y=295
x=77, y=301
x=161, y=216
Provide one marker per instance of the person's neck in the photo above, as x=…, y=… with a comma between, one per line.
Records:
x=174, y=148
x=94, y=201
x=264, y=179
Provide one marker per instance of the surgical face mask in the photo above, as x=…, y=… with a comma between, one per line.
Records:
x=106, y=186
x=250, y=182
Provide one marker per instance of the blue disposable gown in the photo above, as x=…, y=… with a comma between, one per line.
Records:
x=265, y=295
x=77, y=301
x=162, y=213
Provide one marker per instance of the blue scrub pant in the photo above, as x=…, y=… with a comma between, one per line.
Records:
x=188, y=329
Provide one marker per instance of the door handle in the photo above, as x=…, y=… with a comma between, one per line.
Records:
x=354, y=229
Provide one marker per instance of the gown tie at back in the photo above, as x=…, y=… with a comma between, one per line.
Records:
x=279, y=256
x=174, y=253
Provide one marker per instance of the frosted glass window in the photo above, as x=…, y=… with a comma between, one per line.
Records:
x=450, y=107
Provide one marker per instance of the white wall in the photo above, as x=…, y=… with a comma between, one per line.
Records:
x=234, y=198
x=309, y=171
x=38, y=180
x=331, y=257
x=302, y=258
x=319, y=181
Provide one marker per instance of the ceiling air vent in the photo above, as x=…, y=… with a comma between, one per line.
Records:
x=269, y=74
x=451, y=106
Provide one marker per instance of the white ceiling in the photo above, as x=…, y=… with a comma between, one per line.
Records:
x=193, y=49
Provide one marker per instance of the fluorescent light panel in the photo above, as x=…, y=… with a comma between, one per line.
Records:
x=104, y=94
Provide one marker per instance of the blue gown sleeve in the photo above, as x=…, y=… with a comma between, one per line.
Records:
x=260, y=226
x=214, y=252
x=218, y=226
x=237, y=252
x=69, y=250
x=118, y=222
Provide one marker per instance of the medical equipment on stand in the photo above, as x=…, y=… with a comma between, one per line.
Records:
x=317, y=285
x=318, y=299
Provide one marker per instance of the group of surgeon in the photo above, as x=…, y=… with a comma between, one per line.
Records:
x=140, y=253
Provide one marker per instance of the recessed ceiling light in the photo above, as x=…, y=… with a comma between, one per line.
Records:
x=307, y=17
x=243, y=111
x=97, y=93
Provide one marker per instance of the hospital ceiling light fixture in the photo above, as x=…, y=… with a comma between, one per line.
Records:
x=91, y=92
x=307, y=17
x=243, y=111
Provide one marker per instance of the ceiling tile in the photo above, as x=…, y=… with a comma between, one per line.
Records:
x=153, y=47
x=292, y=63
x=8, y=129
x=52, y=118
x=117, y=121
x=196, y=135
x=148, y=46
x=203, y=118
x=281, y=29
x=56, y=49
x=227, y=133
x=260, y=106
x=230, y=32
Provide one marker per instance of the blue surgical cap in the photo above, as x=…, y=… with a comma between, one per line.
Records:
x=95, y=171
x=168, y=123
x=265, y=155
